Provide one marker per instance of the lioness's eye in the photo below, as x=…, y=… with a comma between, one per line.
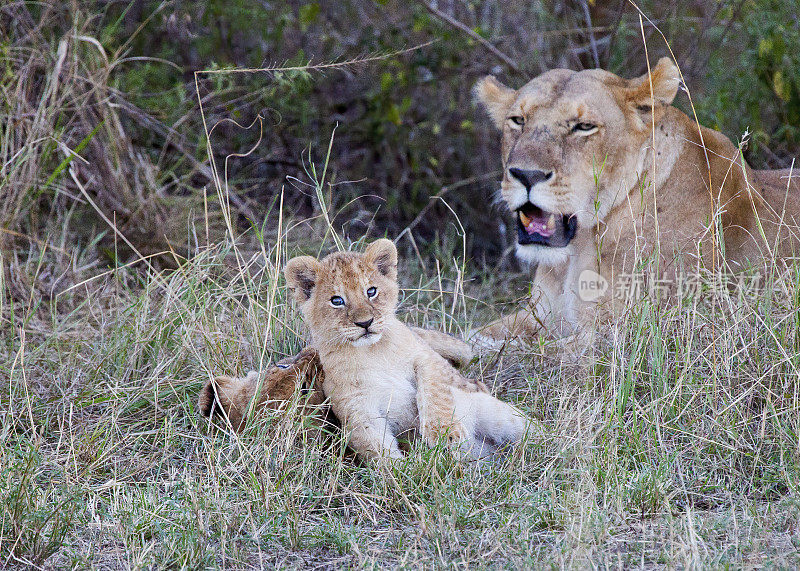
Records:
x=372, y=292
x=517, y=120
x=583, y=128
x=337, y=301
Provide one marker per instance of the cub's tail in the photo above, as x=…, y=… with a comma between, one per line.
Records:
x=207, y=400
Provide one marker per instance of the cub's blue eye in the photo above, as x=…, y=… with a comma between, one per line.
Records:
x=337, y=301
x=372, y=292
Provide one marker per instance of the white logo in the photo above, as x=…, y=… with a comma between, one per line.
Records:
x=591, y=285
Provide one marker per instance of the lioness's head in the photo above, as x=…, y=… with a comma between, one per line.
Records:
x=346, y=297
x=574, y=145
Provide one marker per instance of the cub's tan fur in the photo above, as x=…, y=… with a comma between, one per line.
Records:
x=382, y=379
x=630, y=177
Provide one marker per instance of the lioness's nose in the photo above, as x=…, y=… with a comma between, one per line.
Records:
x=364, y=324
x=530, y=178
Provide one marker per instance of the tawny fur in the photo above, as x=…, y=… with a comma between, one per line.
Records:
x=646, y=181
x=383, y=380
x=233, y=398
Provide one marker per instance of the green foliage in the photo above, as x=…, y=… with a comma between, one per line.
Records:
x=407, y=125
x=754, y=76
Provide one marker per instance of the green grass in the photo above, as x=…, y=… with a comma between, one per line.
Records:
x=677, y=447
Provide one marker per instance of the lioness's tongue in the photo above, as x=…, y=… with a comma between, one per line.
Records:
x=543, y=224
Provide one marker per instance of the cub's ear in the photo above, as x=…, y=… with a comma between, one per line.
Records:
x=495, y=97
x=665, y=79
x=301, y=276
x=383, y=254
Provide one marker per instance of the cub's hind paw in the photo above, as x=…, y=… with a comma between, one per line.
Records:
x=232, y=397
x=227, y=397
x=451, y=433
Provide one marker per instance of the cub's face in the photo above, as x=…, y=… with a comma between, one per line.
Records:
x=346, y=298
x=572, y=149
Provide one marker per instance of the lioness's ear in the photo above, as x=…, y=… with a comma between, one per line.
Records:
x=301, y=276
x=383, y=254
x=665, y=80
x=495, y=97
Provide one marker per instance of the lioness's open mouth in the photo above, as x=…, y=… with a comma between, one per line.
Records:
x=537, y=226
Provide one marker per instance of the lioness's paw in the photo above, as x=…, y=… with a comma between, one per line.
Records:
x=483, y=342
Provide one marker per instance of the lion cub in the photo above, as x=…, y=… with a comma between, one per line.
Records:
x=382, y=379
x=233, y=397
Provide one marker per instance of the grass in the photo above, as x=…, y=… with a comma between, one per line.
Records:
x=678, y=447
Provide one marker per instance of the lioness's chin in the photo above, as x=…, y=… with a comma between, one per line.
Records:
x=367, y=340
x=543, y=255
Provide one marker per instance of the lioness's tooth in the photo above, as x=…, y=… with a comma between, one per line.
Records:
x=551, y=222
x=524, y=219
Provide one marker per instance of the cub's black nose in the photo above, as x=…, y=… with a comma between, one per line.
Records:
x=530, y=178
x=364, y=324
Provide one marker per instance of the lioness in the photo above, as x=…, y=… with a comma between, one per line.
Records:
x=601, y=172
x=382, y=379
